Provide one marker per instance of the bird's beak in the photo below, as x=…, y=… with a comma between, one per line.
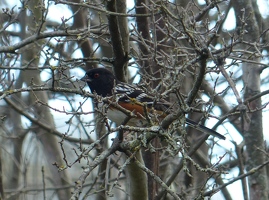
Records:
x=86, y=78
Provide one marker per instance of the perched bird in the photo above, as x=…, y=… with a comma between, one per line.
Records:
x=133, y=99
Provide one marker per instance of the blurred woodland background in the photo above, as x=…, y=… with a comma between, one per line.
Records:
x=209, y=58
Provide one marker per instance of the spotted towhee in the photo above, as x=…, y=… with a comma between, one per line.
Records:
x=132, y=99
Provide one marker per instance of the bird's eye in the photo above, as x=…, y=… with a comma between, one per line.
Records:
x=96, y=75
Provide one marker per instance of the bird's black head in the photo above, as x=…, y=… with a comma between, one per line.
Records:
x=100, y=80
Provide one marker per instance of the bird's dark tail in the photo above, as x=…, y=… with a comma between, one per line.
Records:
x=204, y=129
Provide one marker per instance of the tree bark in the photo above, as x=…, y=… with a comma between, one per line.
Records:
x=30, y=57
x=252, y=122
